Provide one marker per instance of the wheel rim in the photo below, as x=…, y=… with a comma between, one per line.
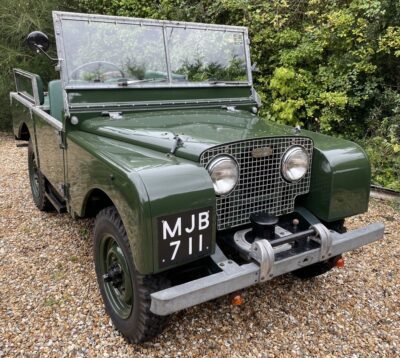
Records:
x=116, y=276
x=34, y=176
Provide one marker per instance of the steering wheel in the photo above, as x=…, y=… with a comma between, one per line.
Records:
x=77, y=72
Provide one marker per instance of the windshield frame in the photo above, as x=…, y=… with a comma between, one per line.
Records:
x=58, y=18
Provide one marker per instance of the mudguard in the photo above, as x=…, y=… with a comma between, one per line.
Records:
x=159, y=185
x=340, y=179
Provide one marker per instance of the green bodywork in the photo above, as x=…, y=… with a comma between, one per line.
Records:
x=129, y=158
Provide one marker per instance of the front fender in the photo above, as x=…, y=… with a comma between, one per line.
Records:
x=90, y=167
x=142, y=184
x=340, y=179
x=174, y=188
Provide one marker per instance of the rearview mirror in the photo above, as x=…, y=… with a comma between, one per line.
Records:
x=38, y=41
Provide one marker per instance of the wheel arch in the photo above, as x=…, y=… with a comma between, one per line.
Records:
x=134, y=218
x=96, y=200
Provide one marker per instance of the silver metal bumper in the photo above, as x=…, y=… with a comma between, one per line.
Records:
x=234, y=277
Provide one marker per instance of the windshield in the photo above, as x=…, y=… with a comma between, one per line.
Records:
x=105, y=52
x=202, y=55
x=129, y=53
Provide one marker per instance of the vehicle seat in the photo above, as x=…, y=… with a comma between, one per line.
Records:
x=56, y=100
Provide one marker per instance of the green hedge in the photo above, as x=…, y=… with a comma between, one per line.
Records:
x=331, y=66
x=17, y=19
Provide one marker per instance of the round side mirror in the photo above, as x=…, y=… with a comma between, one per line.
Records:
x=38, y=40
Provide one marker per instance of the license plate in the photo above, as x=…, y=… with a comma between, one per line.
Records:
x=184, y=236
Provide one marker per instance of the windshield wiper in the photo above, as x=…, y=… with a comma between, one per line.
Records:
x=125, y=83
x=221, y=82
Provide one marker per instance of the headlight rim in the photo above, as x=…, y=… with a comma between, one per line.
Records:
x=212, y=164
x=286, y=154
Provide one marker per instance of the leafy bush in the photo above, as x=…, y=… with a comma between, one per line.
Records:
x=17, y=19
x=332, y=66
x=198, y=71
x=382, y=140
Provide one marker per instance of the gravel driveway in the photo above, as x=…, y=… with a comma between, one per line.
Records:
x=50, y=303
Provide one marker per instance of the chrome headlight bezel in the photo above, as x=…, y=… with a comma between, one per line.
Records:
x=295, y=152
x=217, y=163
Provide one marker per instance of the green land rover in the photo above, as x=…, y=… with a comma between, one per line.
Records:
x=152, y=128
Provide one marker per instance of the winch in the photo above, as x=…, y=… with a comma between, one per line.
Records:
x=265, y=239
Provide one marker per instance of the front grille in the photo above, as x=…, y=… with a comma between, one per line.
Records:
x=261, y=187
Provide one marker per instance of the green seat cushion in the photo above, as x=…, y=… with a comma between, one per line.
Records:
x=40, y=90
x=56, y=99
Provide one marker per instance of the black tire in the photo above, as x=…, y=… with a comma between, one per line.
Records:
x=37, y=182
x=127, y=295
x=320, y=268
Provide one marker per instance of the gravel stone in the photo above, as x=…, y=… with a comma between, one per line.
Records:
x=50, y=303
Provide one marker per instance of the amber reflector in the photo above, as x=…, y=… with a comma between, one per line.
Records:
x=236, y=300
x=340, y=263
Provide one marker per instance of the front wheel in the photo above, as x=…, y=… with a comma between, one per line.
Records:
x=125, y=292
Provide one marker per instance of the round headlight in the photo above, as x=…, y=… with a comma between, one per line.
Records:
x=224, y=173
x=295, y=163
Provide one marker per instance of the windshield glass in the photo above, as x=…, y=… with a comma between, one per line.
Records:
x=134, y=53
x=202, y=55
x=107, y=52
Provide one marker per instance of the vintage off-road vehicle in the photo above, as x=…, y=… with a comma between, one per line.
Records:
x=153, y=129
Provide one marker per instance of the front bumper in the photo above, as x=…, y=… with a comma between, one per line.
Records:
x=234, y=277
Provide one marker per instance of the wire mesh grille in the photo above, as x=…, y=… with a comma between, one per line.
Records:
x=261, y=187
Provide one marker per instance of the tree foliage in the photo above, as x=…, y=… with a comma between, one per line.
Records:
x=331, y=66
x=17, y=19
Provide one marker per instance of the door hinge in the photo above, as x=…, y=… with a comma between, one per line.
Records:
x=65, y=188
x=62, y=139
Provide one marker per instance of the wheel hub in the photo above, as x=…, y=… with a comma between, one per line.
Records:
x=114, y=275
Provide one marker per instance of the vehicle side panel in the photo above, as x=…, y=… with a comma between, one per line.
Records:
x=21, y=114
x=48, y=132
